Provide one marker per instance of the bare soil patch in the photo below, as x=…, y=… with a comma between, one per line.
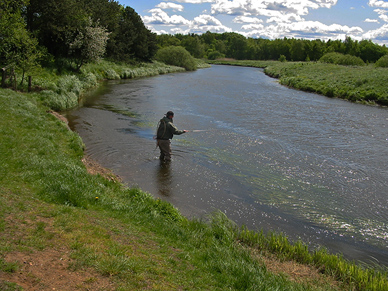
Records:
x=49, y=270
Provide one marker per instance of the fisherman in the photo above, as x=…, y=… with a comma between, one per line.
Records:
x=165, y=132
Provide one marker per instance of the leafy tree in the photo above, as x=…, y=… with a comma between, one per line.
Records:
x=194, y=46
x=371, y=52
x=18, y=49
x=314, y=49
x=208, y=38
x=165, y=40
x=89, y=44
x=132, y=39
x=297, y=50
x=106, y=12
x=236, y=45
x=56, y=23
x=253, y=49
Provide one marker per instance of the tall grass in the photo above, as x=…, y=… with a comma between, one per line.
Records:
x=350, y=272
x=63, y=91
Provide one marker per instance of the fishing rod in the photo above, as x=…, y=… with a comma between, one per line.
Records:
x=198, y=130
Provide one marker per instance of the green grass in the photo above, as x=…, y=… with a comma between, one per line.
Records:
x=358, y=84
x=364, y=84
x=50, y=202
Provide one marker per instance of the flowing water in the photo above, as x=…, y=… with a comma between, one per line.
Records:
x=268, y=156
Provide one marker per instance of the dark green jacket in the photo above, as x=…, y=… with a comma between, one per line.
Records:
x=167, y=129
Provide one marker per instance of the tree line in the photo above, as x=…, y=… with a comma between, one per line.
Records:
x=69, y=33
x=233, y=45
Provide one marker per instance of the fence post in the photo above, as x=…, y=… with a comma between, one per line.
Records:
x=3, y=78
x=29, y=83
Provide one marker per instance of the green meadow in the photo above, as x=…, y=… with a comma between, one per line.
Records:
x=364, y=84
x=63, y=227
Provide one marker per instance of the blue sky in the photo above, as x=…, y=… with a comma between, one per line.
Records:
x=307, y=19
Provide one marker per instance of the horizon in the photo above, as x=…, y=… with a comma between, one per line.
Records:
x=271, y=19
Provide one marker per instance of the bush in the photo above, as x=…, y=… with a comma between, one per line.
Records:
x=382, y=62
x=341, y=59
x=282, y=58
x=176, y=56
x=348, y=60
x=213, y=55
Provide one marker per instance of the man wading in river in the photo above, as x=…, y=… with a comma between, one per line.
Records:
x=165, y=132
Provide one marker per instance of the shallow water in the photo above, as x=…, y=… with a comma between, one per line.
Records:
x=268, y=156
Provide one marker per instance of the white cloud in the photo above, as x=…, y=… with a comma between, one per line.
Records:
x=195, y=1
x=382, y=14
x=169, y=5
x=246, y=19
x=206, y=20
x=252, y=27
x=379, y=35
x=262, y=7
x=371, y=20
x=263, y=18
x=284, y=18
x=205, y=23
x=378, y=3
x=304, y=29
x=160, y=17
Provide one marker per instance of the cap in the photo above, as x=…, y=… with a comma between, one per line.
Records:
x=169, y=113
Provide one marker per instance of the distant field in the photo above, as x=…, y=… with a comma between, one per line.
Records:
x=366, y=84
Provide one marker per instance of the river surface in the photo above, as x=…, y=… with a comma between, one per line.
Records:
x=269, y=157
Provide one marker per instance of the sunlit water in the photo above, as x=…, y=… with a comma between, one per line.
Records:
x=268, y=156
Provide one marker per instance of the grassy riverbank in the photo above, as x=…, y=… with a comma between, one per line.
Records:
x=62, y=227
x=365, y=84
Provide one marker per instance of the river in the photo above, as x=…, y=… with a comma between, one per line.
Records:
x=270, y=157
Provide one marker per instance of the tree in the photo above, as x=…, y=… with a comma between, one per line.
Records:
x=236, y=46
x=89, y=44
x=18, y=49
x=165, y=40
x=194, y=46
x=132, y=39
x=56, y=23
x=371, y=52
x=297, y=50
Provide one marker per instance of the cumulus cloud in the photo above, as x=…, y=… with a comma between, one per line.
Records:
x=371, y=20
x=205, y=23
x=378, y=3
x=305, y=30
x=380, y=34
x=195, y=1
x=262, y=18
x=261, y=7
x=251, y=27
x=246, y=19
x=169, y=5
x=382, y=14
x=160, y=17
